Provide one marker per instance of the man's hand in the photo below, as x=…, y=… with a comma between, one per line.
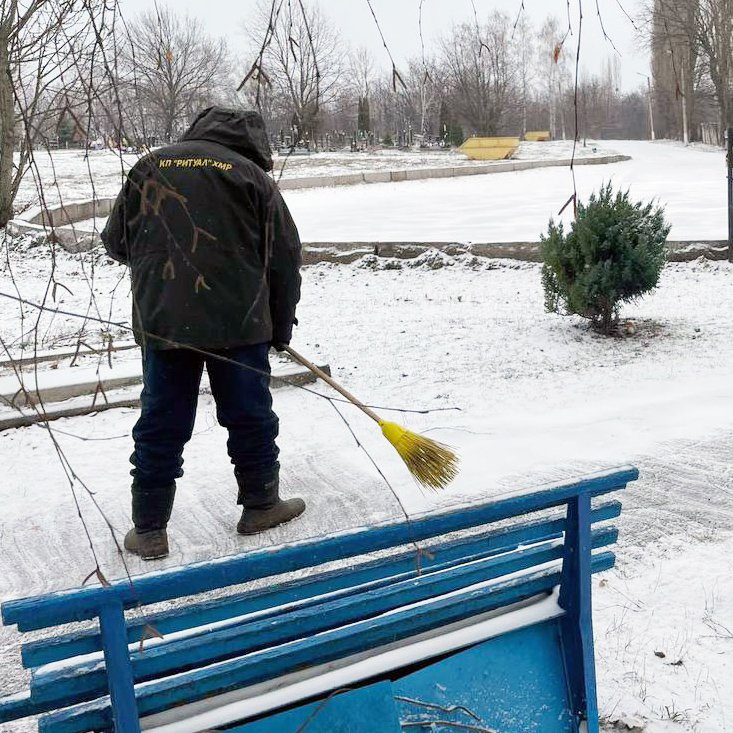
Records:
x=279, y=345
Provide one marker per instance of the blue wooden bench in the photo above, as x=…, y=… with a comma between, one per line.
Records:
x=486, y=627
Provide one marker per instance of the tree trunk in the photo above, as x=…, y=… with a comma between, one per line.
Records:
x=562, y=111
x=7, y=135
x=168, y=129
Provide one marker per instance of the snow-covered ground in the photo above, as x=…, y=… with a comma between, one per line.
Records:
x=507, y=207
x=664, y=639
x=70, y=175
x=541, y=398
x=329, y=164
x=515, y=207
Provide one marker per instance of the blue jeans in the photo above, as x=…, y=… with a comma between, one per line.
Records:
x=170, y=393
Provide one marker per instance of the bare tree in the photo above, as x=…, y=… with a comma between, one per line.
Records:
x=42, y=45
x=361, y=72
x=303, y=61
x=691, y=43
x=553, y=69
x=479, y=72
x=674, y=35
x=361, y=77
x=417, y=101
x=716, y=44
x=385, y=119
x=525, y=51
x=7, y=114
x=175, y=66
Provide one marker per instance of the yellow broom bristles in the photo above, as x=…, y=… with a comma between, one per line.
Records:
x=433, y=464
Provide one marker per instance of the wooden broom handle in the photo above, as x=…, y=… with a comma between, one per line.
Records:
x=330, y=381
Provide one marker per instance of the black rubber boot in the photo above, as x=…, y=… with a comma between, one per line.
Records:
x=263, y=507
x=151, y=510
x=151, y=545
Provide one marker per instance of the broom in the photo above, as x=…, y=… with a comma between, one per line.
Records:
x=433, y=464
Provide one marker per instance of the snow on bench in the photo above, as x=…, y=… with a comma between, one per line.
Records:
x=487, y=624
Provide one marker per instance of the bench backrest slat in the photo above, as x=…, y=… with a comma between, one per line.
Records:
x=310, y=590
x=84, y=604
x=77, y=683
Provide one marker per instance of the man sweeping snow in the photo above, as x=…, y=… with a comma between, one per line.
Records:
x=214, y=258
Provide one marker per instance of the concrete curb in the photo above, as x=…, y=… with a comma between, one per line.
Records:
x=58, y=400
x=419, y=174
x=57, y=224
x=24, y=420
x=81, y=352
x=65, y=384
x=348, y=252
x=56, y=355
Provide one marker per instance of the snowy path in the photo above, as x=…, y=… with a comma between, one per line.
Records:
x=515, y=207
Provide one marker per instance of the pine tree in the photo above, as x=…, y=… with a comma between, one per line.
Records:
x=456, y=136
x=444, y=123
x=613, y=254
x=364, y=125
x=450, y=132
x=66, y=130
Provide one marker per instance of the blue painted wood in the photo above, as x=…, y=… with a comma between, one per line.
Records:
x=14, y=707
x=78, y=683
x=378, y=578
x=119, y=677
x=57, y=608
x=364, y=710
x=577, y=624
x=336, y=644
x=515, y=683
x=347, y=580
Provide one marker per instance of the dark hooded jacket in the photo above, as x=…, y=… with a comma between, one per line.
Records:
x=213, y=252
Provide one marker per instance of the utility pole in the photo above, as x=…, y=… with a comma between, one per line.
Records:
x=685, y=131
x=651, y=106
x=730, y=194
x=651, y=109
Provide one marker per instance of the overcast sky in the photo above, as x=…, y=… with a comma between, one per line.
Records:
x=399, y=20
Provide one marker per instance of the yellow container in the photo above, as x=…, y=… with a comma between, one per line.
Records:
x=490, y=148
x=538, y=136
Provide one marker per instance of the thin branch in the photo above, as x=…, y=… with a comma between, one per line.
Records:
x=603, y=28
x=395, y=74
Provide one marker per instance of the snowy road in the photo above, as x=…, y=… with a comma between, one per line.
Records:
x=515, y=207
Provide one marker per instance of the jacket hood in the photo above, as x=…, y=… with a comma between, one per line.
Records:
x=240, y=130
